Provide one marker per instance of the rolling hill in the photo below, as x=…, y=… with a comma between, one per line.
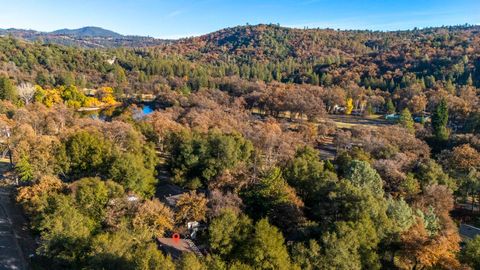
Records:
x=88, y=31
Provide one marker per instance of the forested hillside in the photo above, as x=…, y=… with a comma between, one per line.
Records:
x=268, y=148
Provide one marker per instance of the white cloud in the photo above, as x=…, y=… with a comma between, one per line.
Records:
x=174, y=13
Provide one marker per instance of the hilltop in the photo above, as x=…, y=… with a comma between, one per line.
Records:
x=88, y=31
x=275, y=43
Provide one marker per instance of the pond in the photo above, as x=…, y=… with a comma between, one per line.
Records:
x=147, y=109
x=107, y=113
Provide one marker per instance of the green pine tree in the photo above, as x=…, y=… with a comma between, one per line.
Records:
x=440, y=121
x=24, y=169
x=406, y=120
x=450, y=87
x=7, y=89
x=470, y=80
x=390, y=107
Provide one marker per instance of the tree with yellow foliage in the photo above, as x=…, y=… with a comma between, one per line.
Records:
x=91, y=102
x=105, y=95
x=349, y=106
x=47, y=97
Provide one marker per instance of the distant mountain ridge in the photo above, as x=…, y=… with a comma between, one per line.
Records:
x=86, y=37
x=88, y=31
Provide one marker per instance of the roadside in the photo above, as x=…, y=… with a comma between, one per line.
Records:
x=349, y=121
x=16, y=242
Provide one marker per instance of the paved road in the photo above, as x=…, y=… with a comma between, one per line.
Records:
x=10, y=252
x=358, y=120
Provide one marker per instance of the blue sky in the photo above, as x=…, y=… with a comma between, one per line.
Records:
x=181, y=18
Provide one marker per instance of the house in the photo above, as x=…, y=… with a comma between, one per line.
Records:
x=338, y=109
x=173, y=199
x=176, y=247
x=132, y=198
x=89, y=92
x=392, y=117
x=111, y=61
x=170, y=193
x=194, y=227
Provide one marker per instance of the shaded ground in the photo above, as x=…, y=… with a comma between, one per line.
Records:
x=11, y=256
x=327, y=148
x=16, y=243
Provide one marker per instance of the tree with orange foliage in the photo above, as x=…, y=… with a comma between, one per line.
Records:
x=34, y=198
x=191, y=207
x=462, y=158
x=154, y=217
x=419, y=250
x=423, y=247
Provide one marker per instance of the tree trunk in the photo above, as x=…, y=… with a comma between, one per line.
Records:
x=10, y=156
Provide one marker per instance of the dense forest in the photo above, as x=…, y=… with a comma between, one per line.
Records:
x=236, y=145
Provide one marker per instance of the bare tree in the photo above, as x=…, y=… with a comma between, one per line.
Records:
x=26, y=91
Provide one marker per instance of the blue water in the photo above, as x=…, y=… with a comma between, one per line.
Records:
x=106, y=114
x=146, y=110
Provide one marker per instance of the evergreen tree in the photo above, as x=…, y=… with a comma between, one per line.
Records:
x=228, y=233
x=189, y=261
x=369, y=110
x=406, y=120
x=64, y=231
x=450, y=87
x=267, y=249
x=470, y=80
x=24, y=169
x=390, y=107
x=7, y=89
x=401, y=214
x=440, y=120
x=362, y=175
x=471, y=253
x=151, y=258
x=391, y=85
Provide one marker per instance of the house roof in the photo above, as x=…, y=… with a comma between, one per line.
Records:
x=177, y=247
x=179, y=244
x=172, y=200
